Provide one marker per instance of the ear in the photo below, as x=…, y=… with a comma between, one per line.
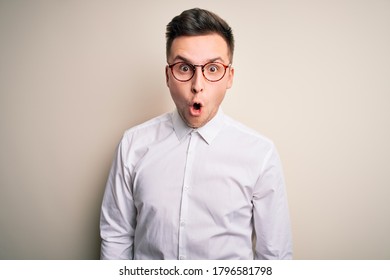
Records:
x=167, y=75
x=230, y=77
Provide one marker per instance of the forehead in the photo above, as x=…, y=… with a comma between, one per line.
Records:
x=199, y=49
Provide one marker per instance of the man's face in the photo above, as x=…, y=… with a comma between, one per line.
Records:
x=198, y=99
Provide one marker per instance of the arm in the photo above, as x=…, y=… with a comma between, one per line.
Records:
x=270, y=212
x=118, y=214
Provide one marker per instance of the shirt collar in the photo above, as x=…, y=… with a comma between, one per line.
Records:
x=208, y=132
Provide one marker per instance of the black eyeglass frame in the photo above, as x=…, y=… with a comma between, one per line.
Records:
x=193, y=66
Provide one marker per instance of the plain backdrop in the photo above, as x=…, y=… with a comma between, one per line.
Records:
x=314, y=76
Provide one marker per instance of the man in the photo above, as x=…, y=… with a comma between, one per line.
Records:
x=195, y=184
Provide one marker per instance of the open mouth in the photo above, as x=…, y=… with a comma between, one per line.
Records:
x=196, y=109
x=197, y=106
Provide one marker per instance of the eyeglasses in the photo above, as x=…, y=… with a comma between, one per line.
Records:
x=212, y=71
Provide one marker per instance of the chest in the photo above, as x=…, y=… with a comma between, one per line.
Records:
x=219, y=178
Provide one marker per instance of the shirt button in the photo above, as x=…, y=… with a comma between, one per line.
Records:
x=182, y=223
x=182, y=258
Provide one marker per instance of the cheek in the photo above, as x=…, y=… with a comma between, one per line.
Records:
x=177, y=91
x=215, y=99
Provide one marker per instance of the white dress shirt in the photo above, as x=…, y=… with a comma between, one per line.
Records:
x=216, y=192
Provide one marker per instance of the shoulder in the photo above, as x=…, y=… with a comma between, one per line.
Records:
x=247, y=134
x=151, y=124
x=150, y=130
x=254, y=145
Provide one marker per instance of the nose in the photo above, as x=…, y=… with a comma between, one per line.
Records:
x=197, y=81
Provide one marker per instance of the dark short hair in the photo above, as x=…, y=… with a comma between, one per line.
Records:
x=198, y=22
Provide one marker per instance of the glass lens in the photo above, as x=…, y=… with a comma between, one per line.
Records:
x=214, y=71
x=183, y=71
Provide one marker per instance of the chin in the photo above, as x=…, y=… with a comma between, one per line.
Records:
x=194, y=124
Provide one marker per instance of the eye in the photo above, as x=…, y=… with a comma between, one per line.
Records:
x=183, y=67
x=212, y=68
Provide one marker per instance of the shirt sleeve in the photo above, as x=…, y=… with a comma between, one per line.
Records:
x=118, y=213
x=270, y=212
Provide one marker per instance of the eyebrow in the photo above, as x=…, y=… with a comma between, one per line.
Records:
x=179, y=57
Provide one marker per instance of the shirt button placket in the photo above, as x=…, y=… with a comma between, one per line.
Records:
x=184, y=201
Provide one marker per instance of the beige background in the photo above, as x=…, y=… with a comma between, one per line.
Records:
x=312, y=75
